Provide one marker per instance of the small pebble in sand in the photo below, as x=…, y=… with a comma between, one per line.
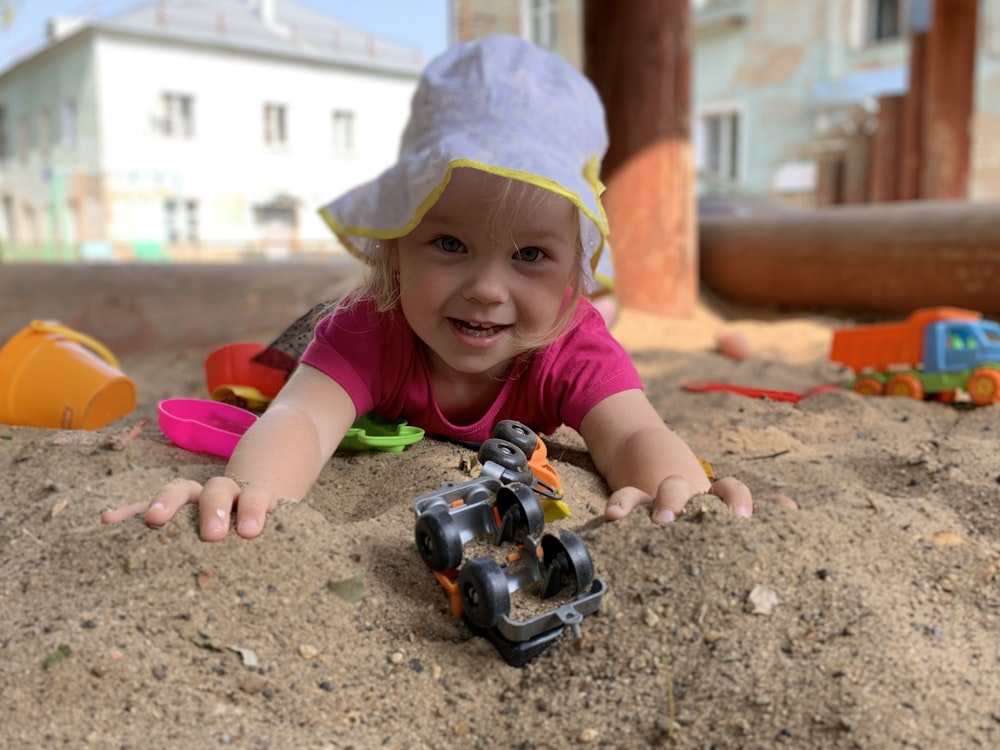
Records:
x=734, y=345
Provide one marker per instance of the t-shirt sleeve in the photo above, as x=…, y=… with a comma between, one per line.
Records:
x=349, y=346
x=586, y=366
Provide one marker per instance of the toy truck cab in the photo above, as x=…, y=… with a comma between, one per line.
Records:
x=954, y=345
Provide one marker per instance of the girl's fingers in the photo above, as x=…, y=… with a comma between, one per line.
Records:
x=252, y=511
x=175, y=494
x=624, y=501
x=671, y=497
x=125, y=512
x=161, y=507
x=735, y=495
x=216, y=501
x=216, y=506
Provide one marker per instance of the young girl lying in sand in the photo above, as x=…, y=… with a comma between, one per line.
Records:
x=482, y=243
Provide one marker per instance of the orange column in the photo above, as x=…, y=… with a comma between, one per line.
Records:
x=638, y=56
x=830, y=181
x=912, y=120
x=883, y=165
x=948, y=100
x=856, y=166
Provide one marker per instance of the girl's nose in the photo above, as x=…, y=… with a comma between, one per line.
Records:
x=487, y=282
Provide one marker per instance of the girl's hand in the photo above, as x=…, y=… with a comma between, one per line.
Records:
x=673, y=494
x=278, y=458
x=215, y=499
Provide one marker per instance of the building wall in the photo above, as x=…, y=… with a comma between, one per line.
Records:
x=226, y=164
x=35, y=188
x=474, y=19
x=783, y=79
x=108, y=189
x=985, y=180
x=798, y=74
x=805, y=81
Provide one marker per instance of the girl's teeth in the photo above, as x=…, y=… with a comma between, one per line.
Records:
x=477, y=329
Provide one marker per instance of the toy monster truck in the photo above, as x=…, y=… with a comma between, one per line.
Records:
x=503, y=505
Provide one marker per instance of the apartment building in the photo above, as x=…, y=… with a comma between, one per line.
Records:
x=194, y=129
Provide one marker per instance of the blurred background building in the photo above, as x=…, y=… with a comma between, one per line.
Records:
x=788, y=94
x=214, y=129
x=194, y=130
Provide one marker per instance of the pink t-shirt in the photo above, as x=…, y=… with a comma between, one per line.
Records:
x=382, y=365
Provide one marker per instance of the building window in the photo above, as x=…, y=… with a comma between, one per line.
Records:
x=178, y=115
x=180, y=218
x=886, y=20
x=343, y=131
x=44, y=131
x=719, y=147
x=539, y=22
x=275, y=124
x=67, y=123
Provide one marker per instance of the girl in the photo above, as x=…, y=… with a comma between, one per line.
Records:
x=482, y=243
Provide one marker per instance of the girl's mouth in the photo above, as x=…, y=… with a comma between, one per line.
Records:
x=477, y=330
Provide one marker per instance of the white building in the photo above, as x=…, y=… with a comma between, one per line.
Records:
x=194, y=129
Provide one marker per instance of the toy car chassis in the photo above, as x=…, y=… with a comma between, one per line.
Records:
x=503, y=503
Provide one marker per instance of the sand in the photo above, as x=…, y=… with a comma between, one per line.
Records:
x=866, y=619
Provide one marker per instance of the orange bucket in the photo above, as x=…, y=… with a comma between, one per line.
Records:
x=53, y=376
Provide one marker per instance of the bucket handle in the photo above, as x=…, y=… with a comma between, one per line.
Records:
x=47, y=326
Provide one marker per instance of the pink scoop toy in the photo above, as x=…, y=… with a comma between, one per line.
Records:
x=208, y=426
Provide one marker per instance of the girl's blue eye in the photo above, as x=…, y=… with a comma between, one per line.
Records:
x=530, y=254
x=449, y=244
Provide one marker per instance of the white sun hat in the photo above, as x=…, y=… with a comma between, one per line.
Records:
x=501, y=105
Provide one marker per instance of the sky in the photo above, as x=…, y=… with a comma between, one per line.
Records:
x=412, y=23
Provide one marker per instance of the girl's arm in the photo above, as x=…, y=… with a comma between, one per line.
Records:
x=644, y=462
x=279, y=458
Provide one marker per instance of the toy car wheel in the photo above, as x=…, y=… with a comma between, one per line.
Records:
x=503, y=452
x=565, y=562
x=508, y=456
x=519, y=512
x=984, y=386
x=439, y=539
x=905, y=384
x=866, y=385
x=519, y=434
x=483, y=588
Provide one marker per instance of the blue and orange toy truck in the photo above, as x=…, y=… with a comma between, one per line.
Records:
x=937, y=352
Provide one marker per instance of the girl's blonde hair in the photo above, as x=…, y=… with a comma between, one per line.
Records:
x=381, y=283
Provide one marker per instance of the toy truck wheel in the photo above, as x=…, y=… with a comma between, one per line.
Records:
x=483, y=588
x=439, y=540
x=984, y=386
x=519, y=434
x=866, y=385
x=519, y=511
x=565, y=562
x=503, y=452
x=905, y=384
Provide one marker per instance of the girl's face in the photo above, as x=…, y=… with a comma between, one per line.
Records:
x=479, y=277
